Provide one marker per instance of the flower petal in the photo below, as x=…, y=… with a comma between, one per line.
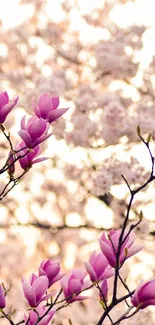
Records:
x=29, y=293
x=45, y=105
x=40, y=285
x=54, y=115
x=26, y=138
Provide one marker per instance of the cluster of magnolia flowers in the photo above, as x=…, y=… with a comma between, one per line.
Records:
x=99, y=268
x=116, y=248
x=34, y=131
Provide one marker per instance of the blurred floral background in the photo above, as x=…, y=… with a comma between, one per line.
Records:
x=99, y=57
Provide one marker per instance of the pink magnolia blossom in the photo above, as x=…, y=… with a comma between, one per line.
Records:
x=72, y=284
x=35, y=289
x=5, y=105
x=47, y=108
x=40, y=311
x=103, y=290
x=34, y=132
x=98, y=267
x=29, y=157
x=52, y=270
x=144, y=295
x=109, y=247
x=2, y=297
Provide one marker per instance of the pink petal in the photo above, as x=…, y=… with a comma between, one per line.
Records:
x=147, y=291
x=7, y=108
x=36, y=110
x=108, y=272
x=38, y=160
x=29, y=294
x=58, y=277
x=37, y=128
x=107, y=251
x=54, y=115
x=33, y=316
x=55, y=102
x=91, y=272
x=74, y=286
x=112, y=232
x=40, y=285
x=134, y=250
x=43, y=138
x=15, y=100
x=45, y=104
x=6, y=95
x=32, y=119
x=2, y=297
x=150, y=302
x=92, y=258
x=41, y=271
x=23, y=123
x=135, y=300
x=33, y=277
x=24, y=162
x=101, y=264
x=26, y=138
x=115, y=240
x=104, y=238
x=79, y=274
x=45, y=320
x=3, y=100
x=104, y=288
x=52, y=270
x=49, y=295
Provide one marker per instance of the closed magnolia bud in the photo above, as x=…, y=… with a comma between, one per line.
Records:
x=103, y=290
x=144, y=295
x=2, y=298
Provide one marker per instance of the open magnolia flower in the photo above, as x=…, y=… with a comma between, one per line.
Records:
x=98, y=267
x=109, y=246
x=27, y=157
x=34, y=131
x=35, y=289
x=73, y=283
x=47, y=108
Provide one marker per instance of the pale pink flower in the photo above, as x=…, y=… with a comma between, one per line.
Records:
x=72, y=284
x=98, y=267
